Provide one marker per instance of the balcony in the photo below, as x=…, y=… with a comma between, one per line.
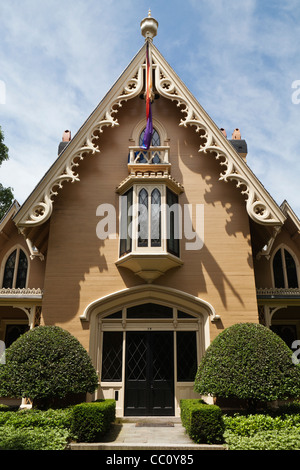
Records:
x=275, y=293
x=153, y=156
x=25, y=293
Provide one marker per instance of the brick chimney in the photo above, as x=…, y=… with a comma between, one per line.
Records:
x=238, y=143
x=66, y=137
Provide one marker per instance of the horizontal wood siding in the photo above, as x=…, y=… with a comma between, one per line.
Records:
x=81, y=268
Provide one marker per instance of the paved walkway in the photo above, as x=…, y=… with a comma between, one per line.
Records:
x=159, y=434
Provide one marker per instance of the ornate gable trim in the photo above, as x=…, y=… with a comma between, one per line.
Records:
x=259, y=204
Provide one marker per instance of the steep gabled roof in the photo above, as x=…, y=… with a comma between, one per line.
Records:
x=11, y=211
x=260, y=206
x=292, y=223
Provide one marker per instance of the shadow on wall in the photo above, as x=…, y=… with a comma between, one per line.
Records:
x=212, y=192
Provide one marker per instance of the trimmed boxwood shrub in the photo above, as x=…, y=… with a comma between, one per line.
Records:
x=46, y=364
x=91, y=421
x=248, y=361
x=203, y=423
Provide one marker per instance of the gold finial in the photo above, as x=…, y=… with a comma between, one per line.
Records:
x=149, y=27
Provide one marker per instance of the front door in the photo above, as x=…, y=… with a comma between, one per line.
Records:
x=149, y=375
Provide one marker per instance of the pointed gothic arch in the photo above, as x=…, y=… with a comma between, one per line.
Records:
x=147, y=318
x=285, y=268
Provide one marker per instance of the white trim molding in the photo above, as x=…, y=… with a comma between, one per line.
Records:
x=147, y=292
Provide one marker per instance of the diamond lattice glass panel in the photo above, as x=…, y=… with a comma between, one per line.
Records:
x=162, y=350
x=112, y=356
x=143, y=218
x=137, y=352
x=9, y=269
x=186, y=356
x=155, y=218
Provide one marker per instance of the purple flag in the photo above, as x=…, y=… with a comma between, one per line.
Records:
x=148, y=131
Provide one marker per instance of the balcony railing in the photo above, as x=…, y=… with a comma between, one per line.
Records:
x=155, y=155
x=23, y=293
x=277, y=293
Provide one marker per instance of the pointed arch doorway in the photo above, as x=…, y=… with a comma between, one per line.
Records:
x=146, y=343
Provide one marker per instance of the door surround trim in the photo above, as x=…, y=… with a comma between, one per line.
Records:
x=143, y=294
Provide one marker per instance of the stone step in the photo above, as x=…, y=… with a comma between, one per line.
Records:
x=144, y=446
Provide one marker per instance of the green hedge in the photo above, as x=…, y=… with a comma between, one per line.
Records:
x=278, y=431
x=203, y=423
x=91, y=421
x=12, y=438
x=35, y=430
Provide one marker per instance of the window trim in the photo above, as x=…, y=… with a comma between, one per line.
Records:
x=134, y=220
x=140, y=126
x=18, y=248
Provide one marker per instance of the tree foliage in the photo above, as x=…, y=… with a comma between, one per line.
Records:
x=6, y=194
x=3, y=148
x=6, y=199
x=248, y=361
x=47, y=363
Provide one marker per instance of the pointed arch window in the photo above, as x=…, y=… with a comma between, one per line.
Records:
x=155, y=218
x=15, y=270
x=284, y=270
x=149, y=228
x=155, y=155
x=155, y=142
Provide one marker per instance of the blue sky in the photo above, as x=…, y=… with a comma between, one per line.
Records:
x=239, y=59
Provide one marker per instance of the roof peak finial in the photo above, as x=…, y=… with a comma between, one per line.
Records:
x=149, y=27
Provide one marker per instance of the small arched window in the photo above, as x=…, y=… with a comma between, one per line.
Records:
x=155, y=142
x=284, y=270
x=15, y=270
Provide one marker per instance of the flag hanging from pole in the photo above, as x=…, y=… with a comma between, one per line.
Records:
x=149, y=127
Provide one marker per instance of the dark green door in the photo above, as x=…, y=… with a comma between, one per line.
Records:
x=149, y=377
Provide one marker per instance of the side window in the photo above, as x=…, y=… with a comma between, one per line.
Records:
x=126, y=223
x=172, y=223
x=15, y=270
x=284, y=270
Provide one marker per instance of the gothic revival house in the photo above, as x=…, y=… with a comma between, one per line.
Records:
x=155, y=247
